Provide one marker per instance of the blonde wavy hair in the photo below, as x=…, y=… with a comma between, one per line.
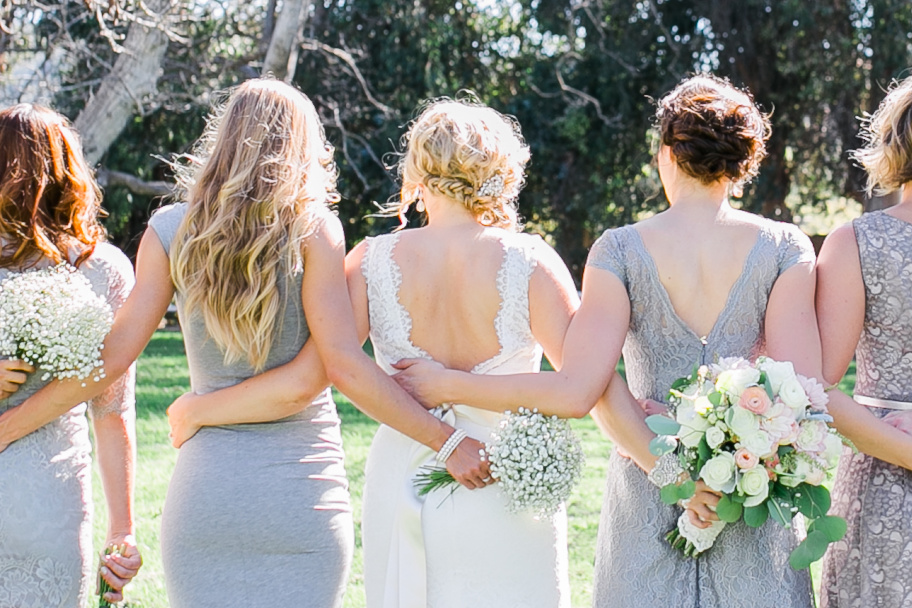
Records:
x=454, y=148
x=887, y=153
x=256, y=185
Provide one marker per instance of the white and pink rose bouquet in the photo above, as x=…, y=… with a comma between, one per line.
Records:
x=757, y=433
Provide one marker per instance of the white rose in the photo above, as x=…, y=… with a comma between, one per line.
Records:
x=742, y=422
x=719, y=472
x=759, y=443
x=809, y=471
x=734, y=381
x=777, y=372
x=813, y=436
x=727, y=363
x=692, y=424
x=702, y=405
x=755, y=484
x=792, y=394
x=715, y=437
x=833, y=449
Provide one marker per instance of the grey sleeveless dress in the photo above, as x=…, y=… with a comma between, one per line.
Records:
x=46, y=557
x=872, y=565
x=256, y=514
x=634, y=565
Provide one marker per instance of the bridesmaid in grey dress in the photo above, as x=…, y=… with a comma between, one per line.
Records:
x=864, y=306
x=46, y=557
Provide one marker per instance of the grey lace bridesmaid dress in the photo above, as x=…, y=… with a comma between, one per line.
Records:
x=634, y=565
x=872, y=565
x=46, y=557
x=256, y=514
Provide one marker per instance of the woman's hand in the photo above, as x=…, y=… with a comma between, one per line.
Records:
x=421, y=378
x=12, y=374
x=468, y=466
x=118, y=570
x=701, y=507
x=901, y=420
x=179, y=417
x=653, y=408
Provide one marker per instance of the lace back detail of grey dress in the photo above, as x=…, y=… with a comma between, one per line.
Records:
x=872, y=566
x=634, y=564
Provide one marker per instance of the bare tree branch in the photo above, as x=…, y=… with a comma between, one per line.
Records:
x=314, y=45
x=113, y=179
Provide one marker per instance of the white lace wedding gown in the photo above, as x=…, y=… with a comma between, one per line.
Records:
x=463, y=549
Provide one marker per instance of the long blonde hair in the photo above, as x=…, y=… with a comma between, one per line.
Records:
x=469, y=153
x=887, y=154
x=261, y=175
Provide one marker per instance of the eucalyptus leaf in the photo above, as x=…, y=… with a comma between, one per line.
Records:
x=662, y=445
x=833, y=527
x=809, y=551
x=669, y=494
x=778, y=512
x=662, y=425
x=686, y=490
x=728, y=510
x=756, y=516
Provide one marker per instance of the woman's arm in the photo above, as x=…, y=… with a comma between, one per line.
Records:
x=272, y=395
x=113, y=418
x=133, y=325
x=840, y=306
x=590, y=353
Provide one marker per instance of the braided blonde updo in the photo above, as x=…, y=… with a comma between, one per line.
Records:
x=469, y=153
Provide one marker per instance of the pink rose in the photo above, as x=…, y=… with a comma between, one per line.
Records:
x=745, y=459
x=754, y=399
x=815, y=392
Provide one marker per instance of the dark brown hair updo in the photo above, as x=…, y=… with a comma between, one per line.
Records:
x=714, y=130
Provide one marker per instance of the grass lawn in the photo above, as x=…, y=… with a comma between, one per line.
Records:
x=162, y=376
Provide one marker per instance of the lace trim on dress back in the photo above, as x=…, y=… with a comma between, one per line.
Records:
x=391, y=323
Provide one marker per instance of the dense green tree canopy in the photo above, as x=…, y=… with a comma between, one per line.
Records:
x=577, y=75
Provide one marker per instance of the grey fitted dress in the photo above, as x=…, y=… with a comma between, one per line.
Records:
x=46, y=557
x=256, y=514
x=872, y=565
x=634, y=565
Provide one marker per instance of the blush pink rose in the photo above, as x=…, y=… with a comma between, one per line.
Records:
x=754, y=399
x=746, y=460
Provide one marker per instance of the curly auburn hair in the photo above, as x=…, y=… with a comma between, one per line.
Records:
x=49, y=201
x=887, y=154
x=714, y=130
x=454, y=148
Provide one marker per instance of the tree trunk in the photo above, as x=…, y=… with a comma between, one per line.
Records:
x=121, y=94
x=282, y=54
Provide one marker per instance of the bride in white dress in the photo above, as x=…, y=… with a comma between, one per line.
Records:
x=470, y=292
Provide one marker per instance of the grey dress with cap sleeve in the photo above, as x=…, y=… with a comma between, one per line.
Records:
x=46, y=557
x=256, y=514
x=872, y=565
x=634, y=565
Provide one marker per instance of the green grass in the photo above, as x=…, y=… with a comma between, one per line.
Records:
x=162, y=377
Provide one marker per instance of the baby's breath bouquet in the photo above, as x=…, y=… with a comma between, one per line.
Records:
x=536, y=458
x=52, y=319
x=756, y=433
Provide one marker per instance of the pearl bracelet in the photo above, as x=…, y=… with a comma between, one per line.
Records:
x=449, y=446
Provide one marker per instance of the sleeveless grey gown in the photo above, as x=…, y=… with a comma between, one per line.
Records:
x=46, y=557
x=634, y=565
x=872, y=565
x=256, y=514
